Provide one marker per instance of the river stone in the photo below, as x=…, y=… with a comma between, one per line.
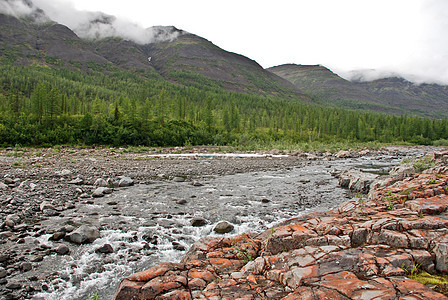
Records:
x=46, y=205
x=9, y=180
x=178, y=179
x=198, y=222
x=12, y=220
x=223, y=227
x=105, y=249
x=13, y=285
x=63, y=250
x=343, y=154
x=100, y=182
x=62, y=173
x=84, y=234
x=125, y=181
x=76, y=181
x=26, y=266
x=101, y=191
x=3, y=272
x=3, y=186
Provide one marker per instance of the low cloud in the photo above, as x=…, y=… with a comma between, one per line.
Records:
x=86, y=24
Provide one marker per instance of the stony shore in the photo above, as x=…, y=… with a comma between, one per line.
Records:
x=41, y=185
x=364, y=249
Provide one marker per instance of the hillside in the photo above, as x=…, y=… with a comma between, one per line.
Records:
x=389, y=95
x=186, y=60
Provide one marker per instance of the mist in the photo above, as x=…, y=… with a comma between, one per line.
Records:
x=86, y=24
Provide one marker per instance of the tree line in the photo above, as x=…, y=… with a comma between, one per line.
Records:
x=42, y=106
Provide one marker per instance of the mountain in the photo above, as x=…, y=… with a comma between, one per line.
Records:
x=389, y=95
x=420, y=99
x=186, y=60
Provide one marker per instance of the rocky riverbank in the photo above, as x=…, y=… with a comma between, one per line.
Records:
x=364, y=249
x=56, y=203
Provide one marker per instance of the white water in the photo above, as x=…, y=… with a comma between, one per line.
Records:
x=153, y=208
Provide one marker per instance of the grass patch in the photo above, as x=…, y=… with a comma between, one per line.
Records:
x=439, y=281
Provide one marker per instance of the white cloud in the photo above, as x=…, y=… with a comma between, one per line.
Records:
x=406, y=37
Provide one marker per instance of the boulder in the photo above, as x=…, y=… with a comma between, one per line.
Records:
x=124, y=181
x=223, y=227
x=356, y=181
x=105, y=249
x=198, y=222
x=84, y=234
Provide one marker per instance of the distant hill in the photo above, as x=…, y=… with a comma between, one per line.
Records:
x=389, y=95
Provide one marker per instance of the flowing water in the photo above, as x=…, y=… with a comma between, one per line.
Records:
x=151, y=223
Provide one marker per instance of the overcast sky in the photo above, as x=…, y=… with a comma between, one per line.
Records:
x=408, y=37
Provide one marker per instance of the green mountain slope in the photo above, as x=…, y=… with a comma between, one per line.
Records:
x=424, y=99
x=326, y=87
x=389, y=95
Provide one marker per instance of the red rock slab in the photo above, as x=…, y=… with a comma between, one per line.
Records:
x=223, y=265
x=129, y=290
x=176, y=295
x=411, y=287
x=349, y=286
x=430, y=206
x=161, y=285
x=153, y=272
x=201, y=274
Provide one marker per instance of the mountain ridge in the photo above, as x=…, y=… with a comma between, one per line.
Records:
x=389, y=95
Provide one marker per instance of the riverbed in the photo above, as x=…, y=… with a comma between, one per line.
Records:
x=152, y=221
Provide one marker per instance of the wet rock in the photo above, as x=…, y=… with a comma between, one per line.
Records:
x=177, y=246
x=84, y=234
x=105, y=249
x=198, y=222
x=59, y=235
x=101, y=191
x=63, y=250
x=264, y=200
x=196, y=183
x=181, y=201
x=223, y=227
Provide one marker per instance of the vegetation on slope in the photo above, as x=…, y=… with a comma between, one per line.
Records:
x=42, y=105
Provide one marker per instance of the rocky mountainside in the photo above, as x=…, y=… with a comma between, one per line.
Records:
x=390, y=95
x=186, y=60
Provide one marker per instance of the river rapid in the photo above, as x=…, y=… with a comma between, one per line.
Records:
x=152, y=222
